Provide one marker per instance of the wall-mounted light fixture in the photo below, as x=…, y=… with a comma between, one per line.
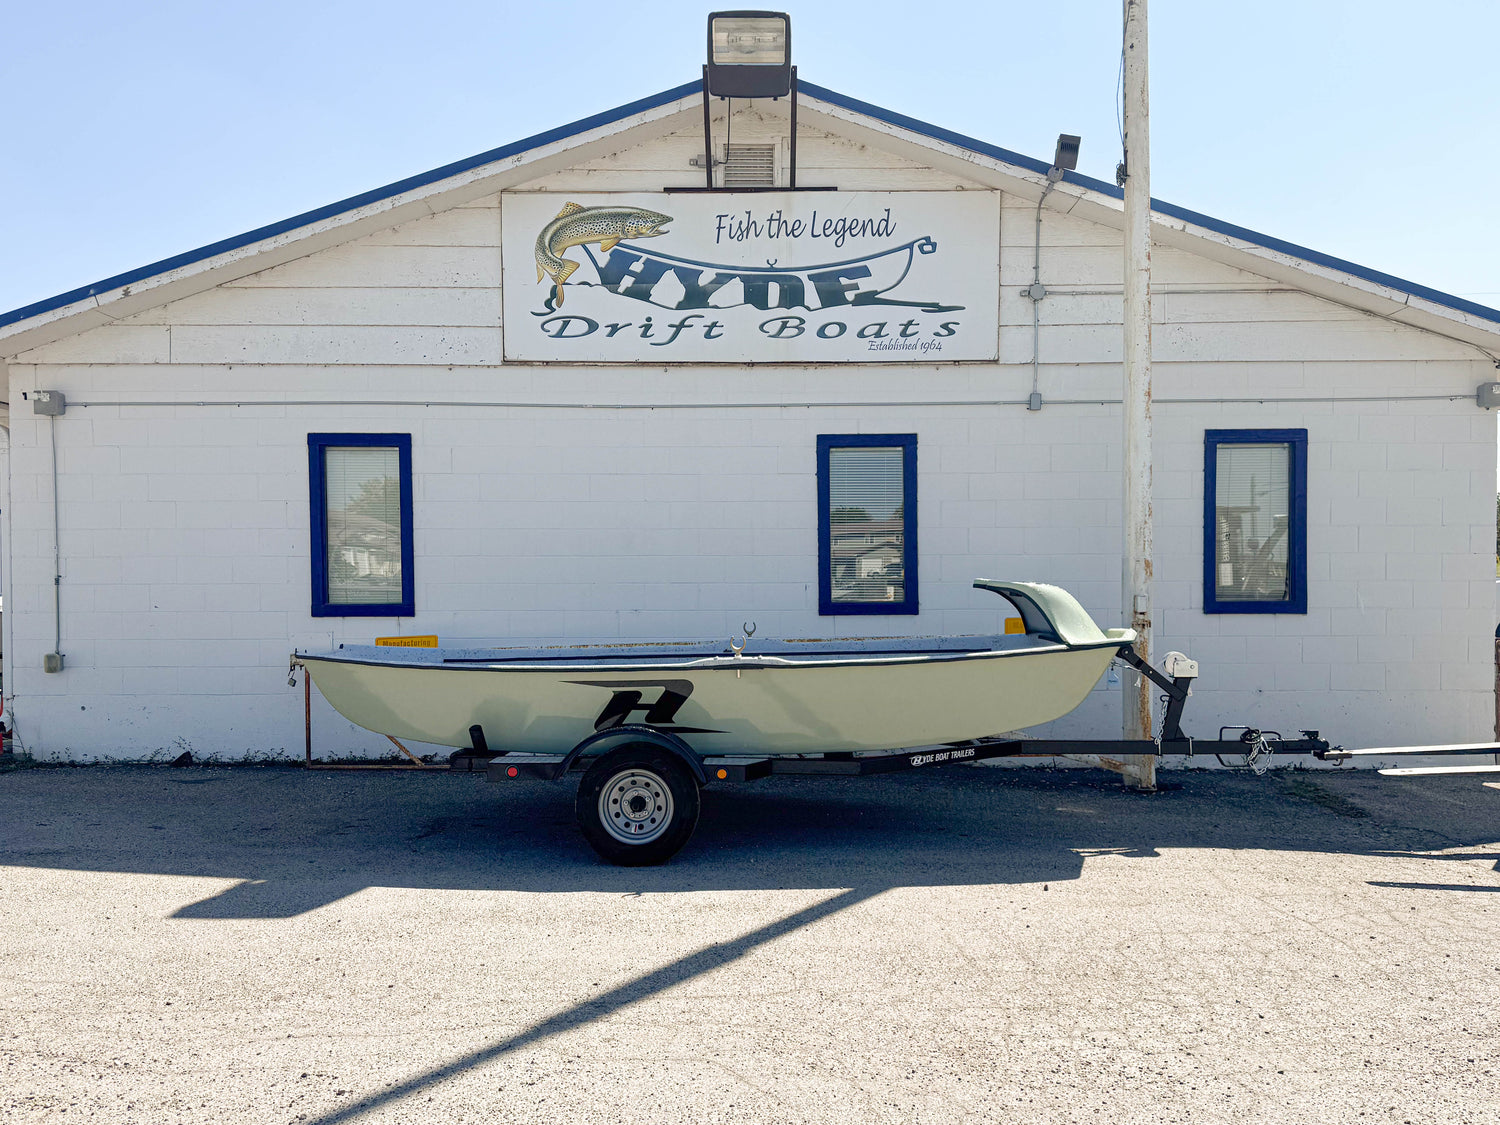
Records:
x=1065, y=159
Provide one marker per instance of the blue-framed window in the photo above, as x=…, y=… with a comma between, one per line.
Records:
x=1255, y=521
x=867, y=523
x=360, y=491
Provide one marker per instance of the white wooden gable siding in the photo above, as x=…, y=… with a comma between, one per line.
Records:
x=185, y=527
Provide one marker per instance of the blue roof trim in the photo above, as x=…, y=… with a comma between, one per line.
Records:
x=936, y=132
x=1269, y=242
x=687, y=89
x=1447, y=300
x=375, y=195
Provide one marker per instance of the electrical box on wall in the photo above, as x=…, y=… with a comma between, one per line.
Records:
x=48, y=402
x=1488, y=395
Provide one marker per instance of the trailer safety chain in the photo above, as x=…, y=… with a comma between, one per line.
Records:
x=1258, y=757
x=1258, y=746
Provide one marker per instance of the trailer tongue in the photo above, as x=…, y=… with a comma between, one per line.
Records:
x=1338, y=754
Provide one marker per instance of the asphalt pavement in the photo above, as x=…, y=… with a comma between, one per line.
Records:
x=268, y=944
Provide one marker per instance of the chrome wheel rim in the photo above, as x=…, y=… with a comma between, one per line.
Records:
x=635, y=806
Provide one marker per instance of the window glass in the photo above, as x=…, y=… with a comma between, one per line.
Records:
x=866, y=524
x=1252, y=522
x=363, y=510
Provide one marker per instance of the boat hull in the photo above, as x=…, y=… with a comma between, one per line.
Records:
x=722, y=705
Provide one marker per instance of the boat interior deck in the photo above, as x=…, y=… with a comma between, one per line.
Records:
x=595, y=652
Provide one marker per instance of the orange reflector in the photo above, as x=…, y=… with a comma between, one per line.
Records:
x=512, y=772
x=1014, y=625
x=723, y=774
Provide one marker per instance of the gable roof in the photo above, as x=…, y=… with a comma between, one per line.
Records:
x=169, y=279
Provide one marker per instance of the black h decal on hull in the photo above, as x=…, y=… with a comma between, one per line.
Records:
x=659, y=713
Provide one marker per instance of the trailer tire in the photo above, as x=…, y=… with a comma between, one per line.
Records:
x=637, y=805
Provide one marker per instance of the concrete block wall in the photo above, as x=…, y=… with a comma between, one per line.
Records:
x=1397, y=644
x=184, y=535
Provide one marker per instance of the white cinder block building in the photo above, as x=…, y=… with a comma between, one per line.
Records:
x=373, y=419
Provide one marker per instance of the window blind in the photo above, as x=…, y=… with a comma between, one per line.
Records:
x=363, y=497
x=1252, y=505
x=866, y=526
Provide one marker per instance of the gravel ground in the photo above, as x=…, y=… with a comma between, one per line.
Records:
x=268, y=945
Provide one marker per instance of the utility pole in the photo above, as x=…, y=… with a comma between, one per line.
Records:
x=1140, y=770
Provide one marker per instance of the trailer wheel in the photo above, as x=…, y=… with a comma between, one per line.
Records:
x=637, y=805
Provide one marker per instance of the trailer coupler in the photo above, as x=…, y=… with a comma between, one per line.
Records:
x=1259, y=746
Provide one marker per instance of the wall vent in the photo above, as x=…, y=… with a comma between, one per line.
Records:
x=750, y=166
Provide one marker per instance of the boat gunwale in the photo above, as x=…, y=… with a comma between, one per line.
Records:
x=719, y=662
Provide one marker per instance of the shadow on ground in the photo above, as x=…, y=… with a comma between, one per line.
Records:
x=297, y=840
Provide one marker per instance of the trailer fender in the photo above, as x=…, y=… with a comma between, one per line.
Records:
x=638, y=732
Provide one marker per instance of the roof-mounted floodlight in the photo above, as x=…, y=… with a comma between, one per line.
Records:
x=749, y=54
x=1065, y=159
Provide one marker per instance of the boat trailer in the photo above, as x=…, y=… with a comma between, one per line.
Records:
x=638, y=799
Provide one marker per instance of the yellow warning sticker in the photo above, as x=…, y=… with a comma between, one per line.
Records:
x=408, y=642
x=1014, y=625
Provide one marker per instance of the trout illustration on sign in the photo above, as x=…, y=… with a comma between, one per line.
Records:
x=576, y=225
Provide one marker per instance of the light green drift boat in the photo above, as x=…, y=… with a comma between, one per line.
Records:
x=784, y=698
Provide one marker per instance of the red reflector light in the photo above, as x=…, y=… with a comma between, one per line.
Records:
x=512, y=772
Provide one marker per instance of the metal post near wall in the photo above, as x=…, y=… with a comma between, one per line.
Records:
x=708, y=135
x=792, y=154
x=307, y=715
x=1140, y=771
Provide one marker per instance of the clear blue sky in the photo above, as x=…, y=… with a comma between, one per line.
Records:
x=138, y=130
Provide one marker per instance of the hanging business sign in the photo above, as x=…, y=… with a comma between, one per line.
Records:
x=762, y=277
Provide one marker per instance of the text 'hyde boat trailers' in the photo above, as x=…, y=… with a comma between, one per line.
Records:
x=648, y=726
